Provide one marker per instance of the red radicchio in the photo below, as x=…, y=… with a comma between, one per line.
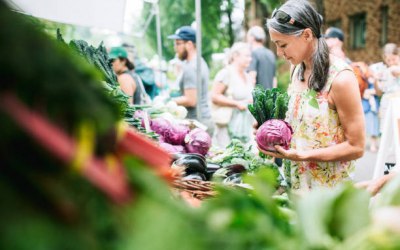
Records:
x=160, y=125
x=274, y=132
x=198, y=141
x=176, y=134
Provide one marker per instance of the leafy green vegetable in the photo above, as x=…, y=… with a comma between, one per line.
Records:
x=280, y=108
x=268, y=104
x=269, y=108
x=328, y=216
x=287, y=173
x=390, y=194
x=98, y=58
x=234, y=147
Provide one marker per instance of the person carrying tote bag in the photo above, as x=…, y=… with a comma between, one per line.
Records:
x=232, y=92
x=222, y=115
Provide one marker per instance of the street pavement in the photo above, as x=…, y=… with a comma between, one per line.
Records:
x=365, y=165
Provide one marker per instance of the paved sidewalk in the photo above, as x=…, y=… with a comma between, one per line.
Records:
x=365, y=165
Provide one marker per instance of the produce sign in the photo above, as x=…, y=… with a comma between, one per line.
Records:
x=269, y=109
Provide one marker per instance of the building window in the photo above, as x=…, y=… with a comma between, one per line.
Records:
x=335, y=23
x=358, y=30
x=384, y=25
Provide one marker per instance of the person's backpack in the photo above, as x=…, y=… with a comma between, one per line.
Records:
x=362, y=74
x=147, y=76
x=144, y=97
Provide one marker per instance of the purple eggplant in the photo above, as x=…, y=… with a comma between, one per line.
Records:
x=192, y=163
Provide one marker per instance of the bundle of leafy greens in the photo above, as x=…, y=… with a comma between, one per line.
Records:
x=58, y=84
x=98, y=57
x=268, y=104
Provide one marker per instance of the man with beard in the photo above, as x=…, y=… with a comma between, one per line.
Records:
x=185, y=47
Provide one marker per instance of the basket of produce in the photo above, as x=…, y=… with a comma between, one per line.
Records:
x=196, y=188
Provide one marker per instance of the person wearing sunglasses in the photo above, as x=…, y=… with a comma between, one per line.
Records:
x=325, y=110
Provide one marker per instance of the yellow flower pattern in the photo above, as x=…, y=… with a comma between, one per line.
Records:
x=316, y=125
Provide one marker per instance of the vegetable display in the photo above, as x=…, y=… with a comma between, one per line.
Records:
x=269, y=109
x=50, y=205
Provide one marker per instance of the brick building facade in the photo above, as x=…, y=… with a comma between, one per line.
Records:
x=367, y=24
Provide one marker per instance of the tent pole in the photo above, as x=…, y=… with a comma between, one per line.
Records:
x=198, y=58
x=159, y=43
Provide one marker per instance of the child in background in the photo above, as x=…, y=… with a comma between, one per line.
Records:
x=387, y=82
x=371, y=107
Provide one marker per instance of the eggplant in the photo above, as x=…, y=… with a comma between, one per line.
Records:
x=195, y=176
x=211, y=168
x=192, y=163
x=235, y=168
x=176, y=156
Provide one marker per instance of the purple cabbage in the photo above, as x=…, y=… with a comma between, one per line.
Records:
x=160, y=126
x=175, y=135
x=198, y=141
x=173, y=148
x=274, y=132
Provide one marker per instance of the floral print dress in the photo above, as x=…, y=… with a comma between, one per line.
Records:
x=316, y=125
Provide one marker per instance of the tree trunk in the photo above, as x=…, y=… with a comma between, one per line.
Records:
x=229, y=10
x=319, y=5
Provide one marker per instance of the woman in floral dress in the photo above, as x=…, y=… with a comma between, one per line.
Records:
x=325, y=110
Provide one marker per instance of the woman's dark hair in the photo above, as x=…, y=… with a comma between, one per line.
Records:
x=128, y=63
x=303, y=12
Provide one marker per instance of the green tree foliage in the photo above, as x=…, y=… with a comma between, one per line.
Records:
x=272, y=4
x=216, y=35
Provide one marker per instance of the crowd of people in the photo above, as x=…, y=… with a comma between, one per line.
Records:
x=352, y=96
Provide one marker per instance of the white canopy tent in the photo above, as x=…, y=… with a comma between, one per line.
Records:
x=105, y=14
